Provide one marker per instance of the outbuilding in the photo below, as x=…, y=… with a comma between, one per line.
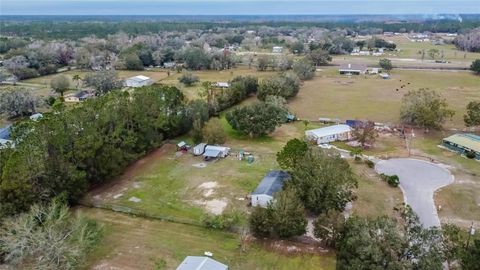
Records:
x=222, y=85
x=352, y=69
x=201, y=263
x=270, y=184
x=463, y=143
x=277, y=49
x=329, y=134
x=199, y=149
x=36, y=116
x=138, y=81
x=215, y=151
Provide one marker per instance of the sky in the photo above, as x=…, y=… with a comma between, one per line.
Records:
x=235, y=7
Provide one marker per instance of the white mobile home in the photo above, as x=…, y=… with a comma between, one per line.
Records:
x=329, y=134
x=138, y=81
x=270, y=184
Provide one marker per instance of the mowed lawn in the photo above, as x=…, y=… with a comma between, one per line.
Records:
x=138, y=243
x=370, y=97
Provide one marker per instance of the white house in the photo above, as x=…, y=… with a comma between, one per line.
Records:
x=329, y=134
x=221, y=85
x=271, y=183
x=138, y=81
x=352, y=69
x=36, y=116
x=214, y=151
x=277, y=49
x=201, y=263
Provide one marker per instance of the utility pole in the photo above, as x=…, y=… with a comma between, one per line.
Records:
x=470, y=233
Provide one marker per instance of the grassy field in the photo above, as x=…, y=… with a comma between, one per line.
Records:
x=137, y=243
x=370, y=97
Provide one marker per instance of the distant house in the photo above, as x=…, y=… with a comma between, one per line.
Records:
x=463, y=143
x=79, y=96
x=169, y=64
x=277, y=49
x=270, y=184
x=352, y=69
x=213, y=151
x=222, y=84
x=201, y=263
x=374, y=71
x=138, y=81
x=329, y=134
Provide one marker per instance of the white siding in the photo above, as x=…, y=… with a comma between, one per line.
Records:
x=261, y=200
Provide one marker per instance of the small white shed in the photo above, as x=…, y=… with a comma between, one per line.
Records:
x=201, y=263
x=329, y=134
x=199, y=149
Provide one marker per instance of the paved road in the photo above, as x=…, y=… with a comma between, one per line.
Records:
x=418, y=180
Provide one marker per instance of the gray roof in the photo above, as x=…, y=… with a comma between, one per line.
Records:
x=201, y=263
x=271, y=183
x=360, y=67
x=211, y=153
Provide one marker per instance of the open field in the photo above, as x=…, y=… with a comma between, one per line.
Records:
x=138, y=243
x=370, y=97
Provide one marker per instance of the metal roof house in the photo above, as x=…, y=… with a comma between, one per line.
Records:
x=463, y=143
x=277, y=49
x=138, y=81
x=201, y=263
x=270, y=184
x=199, y=149
x=352, y=69
x=330, y=134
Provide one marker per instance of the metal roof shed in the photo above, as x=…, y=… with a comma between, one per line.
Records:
x=201, y=263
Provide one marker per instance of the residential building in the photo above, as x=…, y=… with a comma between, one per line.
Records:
x=352, y=69
x=463, y=143
x=138, y=81
x=79, y=96
x=277, y=49
x=222, y=84
x=329, y=134
x=270, y=184
x=201, y=263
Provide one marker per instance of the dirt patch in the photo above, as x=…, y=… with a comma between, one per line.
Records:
x=127, y=179
x=215, y=206
x=209, y=185
x=200, y=165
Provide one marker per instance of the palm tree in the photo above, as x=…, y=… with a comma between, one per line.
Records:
x=76, y=78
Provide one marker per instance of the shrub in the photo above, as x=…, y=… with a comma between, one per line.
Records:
x=369, y=163
x=392, y=180
x=188, y=78
x=470, y=154
x=221, y=222
x=213, y=132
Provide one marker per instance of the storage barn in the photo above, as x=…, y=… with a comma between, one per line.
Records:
x=329, y=134
x=463, y=144
x=270, y=184
x=213, y=151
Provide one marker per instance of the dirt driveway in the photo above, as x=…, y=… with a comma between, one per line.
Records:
x=418, y=180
